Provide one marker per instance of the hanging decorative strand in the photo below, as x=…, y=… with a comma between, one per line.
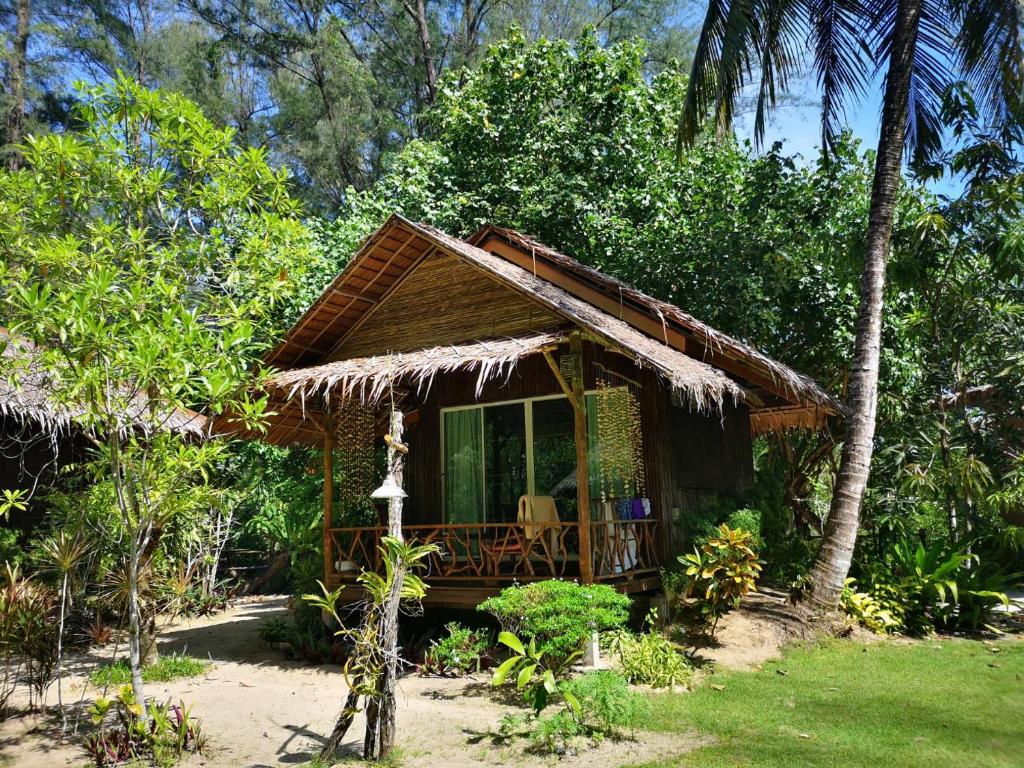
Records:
x=355, y=429
x=620, y=442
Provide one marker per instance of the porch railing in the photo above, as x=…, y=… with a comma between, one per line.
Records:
x=510, y=551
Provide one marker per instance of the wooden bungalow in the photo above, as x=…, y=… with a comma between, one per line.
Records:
x=559, y=422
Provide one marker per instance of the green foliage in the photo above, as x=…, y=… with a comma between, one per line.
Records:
x=459, y=653
x=367, y=657
x=598, y=705
x=606, y=704
x=275, y=630
x=559, y=615
x=163, y=670
x=145, y=258
x=539, y=677
x=916, y=588
x=648, y=658
x=163, y=738
x=873, y=611
x=28, y=635
x=719, y=574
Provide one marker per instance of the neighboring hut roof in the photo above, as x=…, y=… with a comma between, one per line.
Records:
x=700, y=363
x=28, y=398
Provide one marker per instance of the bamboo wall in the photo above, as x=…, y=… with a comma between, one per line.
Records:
x=444, y=301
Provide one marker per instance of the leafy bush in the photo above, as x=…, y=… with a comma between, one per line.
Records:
x=879, y=615
x=460, y=653
x=606, y=704
x=28, y=635
x=559, y=615
x=597, y=704
x=163, y=670
x=719, y=574
x=649, y=658
x=275, y=630
x=540, y=679
x=915, y=588
x=167, y=734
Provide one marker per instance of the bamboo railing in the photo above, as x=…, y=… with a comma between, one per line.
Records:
x=504, y=551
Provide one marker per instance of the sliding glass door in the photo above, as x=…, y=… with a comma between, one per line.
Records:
x=493, y=454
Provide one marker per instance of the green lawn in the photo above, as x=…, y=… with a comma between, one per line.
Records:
x=931, y=703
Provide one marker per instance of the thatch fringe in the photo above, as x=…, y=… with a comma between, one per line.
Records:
x=25, y=397
x=369, y=379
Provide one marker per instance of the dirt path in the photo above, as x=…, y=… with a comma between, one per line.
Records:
x=259, y=710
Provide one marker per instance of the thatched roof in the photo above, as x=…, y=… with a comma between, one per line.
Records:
x=703, y=366
x=714, y=345
x=27, y=398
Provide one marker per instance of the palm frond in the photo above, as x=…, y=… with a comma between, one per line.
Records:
x=721, y=66
x=990, y=53
x=780, y=44
x=841, y=59
x=931, y=71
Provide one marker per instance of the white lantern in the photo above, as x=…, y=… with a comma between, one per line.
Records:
x=389, y=489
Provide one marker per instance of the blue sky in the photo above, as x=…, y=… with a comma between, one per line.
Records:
x=799, y=127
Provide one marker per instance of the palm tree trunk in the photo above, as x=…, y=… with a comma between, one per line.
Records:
x=832, y=564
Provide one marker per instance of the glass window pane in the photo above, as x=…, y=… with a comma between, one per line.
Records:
x=554, y=454
x=504, y=461
x=463, y=477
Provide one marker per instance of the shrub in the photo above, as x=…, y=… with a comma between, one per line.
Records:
x=28, y=635
x=649, y=658
x=870, y=611
x=169, y=732
x=560, y=615
x=719, y=574
x=163, y=670
x=915, y=588
x=540, y=679
x=459, y=653
x=606, y=704
x=597, y=704
x=275, y=630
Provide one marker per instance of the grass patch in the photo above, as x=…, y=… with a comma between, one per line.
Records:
x=165, y=669
x=883, y=705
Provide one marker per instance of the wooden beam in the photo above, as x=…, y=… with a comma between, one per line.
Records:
x=579, y=401
x=560, y=378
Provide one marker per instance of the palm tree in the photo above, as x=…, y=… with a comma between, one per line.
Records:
x=924, y=46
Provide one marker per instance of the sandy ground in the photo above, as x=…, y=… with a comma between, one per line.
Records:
x=259, y=710
x=756, y=632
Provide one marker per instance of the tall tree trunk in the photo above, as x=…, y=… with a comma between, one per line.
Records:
x=15, y=85
x=380, y=717
x=418, y=13
x=134, y=628
x=832, y=564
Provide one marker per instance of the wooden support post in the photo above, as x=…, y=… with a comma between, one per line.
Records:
x=579, y=403
x=329, y=442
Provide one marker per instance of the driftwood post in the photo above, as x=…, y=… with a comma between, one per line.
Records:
x=380, y=713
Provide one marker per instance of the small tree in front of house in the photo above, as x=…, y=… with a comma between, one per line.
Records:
x=143, y=256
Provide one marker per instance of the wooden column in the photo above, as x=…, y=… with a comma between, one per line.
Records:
x=577, y=397
x=329, y=443
x=579, y=407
